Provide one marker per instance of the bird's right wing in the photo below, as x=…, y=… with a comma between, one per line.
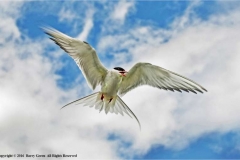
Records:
x=83, y=54
x=155, y=76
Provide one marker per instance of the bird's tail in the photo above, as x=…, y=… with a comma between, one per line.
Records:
x=102, y=102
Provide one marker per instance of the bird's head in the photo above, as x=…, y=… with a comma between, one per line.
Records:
x=121, y=70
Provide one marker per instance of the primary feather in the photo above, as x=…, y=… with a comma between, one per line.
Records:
x=83, y=54
x=155, y=76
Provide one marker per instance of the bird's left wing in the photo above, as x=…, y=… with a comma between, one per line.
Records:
x=155, y=76
x=83, y=54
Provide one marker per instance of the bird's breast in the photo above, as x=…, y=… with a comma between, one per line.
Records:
x=111, y=83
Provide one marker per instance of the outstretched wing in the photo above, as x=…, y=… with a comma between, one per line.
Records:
x=155, y=76
x=84, y=55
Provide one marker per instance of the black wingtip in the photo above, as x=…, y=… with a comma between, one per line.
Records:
x=201, y=90
x=52, y=39
x=193, y=91
x=64, y=106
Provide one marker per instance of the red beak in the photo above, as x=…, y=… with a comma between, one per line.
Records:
x=123, y=73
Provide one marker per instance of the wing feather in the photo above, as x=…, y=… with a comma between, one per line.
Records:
x=155, y=76
x=83, y=54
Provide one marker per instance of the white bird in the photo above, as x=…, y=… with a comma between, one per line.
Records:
x=118, y=81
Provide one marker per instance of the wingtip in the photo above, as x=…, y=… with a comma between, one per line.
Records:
x=63, y=107
x=45, y=28
x=140, y=127
x=203, y=89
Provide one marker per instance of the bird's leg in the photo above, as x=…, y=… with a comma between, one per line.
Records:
x=110, y=100
x=102, y=96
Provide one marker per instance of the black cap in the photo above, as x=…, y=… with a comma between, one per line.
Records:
x=119, y=68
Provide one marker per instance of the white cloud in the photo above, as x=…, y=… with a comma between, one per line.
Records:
x=121, y=10
x=66, y=15
x=8, y=29
x=188, y=17
x=88, y=24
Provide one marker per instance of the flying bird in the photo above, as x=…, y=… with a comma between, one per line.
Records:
x=116, y=82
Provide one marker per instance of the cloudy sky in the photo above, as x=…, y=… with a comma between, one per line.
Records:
x=197, y=39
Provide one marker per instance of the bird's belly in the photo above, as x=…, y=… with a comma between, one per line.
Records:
x=111, y=84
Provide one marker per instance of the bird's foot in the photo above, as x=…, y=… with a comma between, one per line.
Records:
x=110, y=100
x=102, y=97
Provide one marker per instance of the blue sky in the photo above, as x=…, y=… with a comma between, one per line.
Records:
x=198, y=39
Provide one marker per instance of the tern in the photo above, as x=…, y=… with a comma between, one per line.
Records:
x=116, y=82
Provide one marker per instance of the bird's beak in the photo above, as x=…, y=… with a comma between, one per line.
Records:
x=123, y=73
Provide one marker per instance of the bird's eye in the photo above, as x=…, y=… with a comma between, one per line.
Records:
x=85, y=42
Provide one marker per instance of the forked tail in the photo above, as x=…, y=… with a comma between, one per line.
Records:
x=113, y=105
